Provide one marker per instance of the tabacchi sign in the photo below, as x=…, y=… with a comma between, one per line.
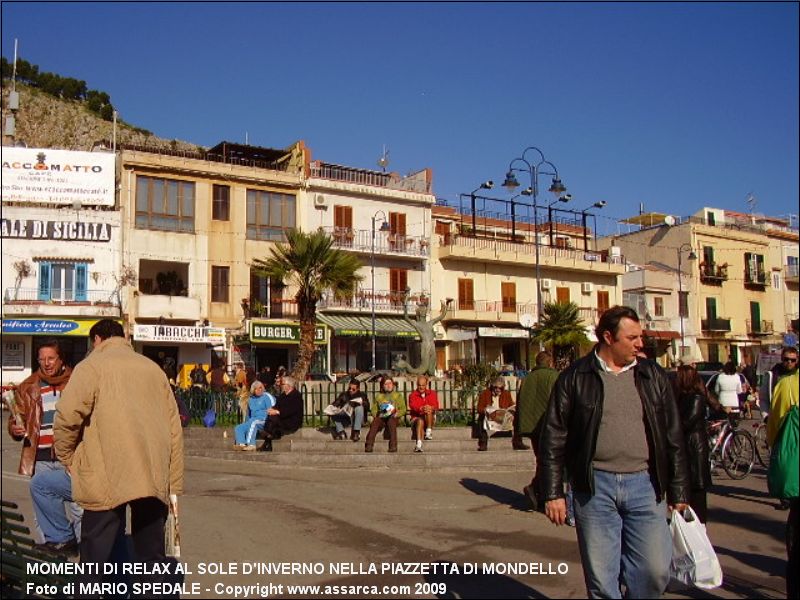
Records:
x=60, y=177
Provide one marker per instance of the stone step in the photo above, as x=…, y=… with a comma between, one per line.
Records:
x=318, y=433
x=347, y=447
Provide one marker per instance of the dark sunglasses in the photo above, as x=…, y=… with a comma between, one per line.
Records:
x=787, y=359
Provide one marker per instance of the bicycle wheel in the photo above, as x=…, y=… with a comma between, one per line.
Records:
x=738, y=454
x=762, y=448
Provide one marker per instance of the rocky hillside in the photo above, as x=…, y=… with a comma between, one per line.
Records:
x=44, y=121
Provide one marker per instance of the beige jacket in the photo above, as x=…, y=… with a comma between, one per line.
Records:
x=118, y=430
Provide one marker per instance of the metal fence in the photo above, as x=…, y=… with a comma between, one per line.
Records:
x=457, y=403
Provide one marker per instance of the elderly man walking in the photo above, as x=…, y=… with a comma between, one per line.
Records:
x=118, y=432
x=613, y=423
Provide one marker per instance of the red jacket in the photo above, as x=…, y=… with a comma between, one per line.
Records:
x=416, y=401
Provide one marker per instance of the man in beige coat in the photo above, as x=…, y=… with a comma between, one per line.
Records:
x=118, y=432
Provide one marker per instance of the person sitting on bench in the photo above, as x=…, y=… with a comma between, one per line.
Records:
x=287, y=414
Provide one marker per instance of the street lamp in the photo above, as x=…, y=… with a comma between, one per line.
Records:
x=556, y=187
x=384, y=227
x=526, y=192
x=486, y=185
x=564, y=198
x=691, y=256
x=598, y=204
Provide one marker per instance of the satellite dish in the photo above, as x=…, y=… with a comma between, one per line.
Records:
x=669, y=220
x=527, y=320
x=383, y=161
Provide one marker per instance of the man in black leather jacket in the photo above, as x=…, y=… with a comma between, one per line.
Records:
x=613, y=426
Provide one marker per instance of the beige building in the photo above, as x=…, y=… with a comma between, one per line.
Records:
x=738, y=299
x=488, y=271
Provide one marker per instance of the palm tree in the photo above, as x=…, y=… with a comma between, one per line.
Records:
x=309, y=264
x=562, y=328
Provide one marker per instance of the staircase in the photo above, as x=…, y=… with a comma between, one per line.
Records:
x=451, y=449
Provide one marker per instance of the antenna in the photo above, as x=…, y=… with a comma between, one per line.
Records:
x=383, y=161
x=751, y=200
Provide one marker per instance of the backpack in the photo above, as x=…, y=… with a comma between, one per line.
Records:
x=782, y=477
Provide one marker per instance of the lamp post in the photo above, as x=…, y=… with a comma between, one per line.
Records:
x=564, y=198
x=526, y=192
x=691, y=256
x=556, y=187
x=384, y=227
x=598, y=204
x=486, y=185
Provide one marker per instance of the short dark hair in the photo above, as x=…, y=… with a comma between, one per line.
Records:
x=610, y=319
x=788, y=350
x=544, y=358
x=54, y=344
x=355, y=382
x=729, y=368
x=106, y=328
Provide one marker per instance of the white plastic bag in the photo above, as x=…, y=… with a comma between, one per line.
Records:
x=172, y=535
x=694, y=561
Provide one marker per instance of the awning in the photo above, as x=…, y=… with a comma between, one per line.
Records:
x=361, y=325
x=657, y=334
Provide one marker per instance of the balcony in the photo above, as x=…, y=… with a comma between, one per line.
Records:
x=386, y=243
x=790, y=273
x=386, y=301
x=755, y=278
x=759, y=327
x=275, y=309
x=516, y=252
x=713, y=274
x=25, y=301
x=715, y=325
x=154, y=306
x=490, y=310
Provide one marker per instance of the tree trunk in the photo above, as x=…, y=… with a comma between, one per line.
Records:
x=305, y=352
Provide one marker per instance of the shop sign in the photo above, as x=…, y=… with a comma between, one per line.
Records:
x=267, y=332
x=69, y=231
x=47, y=327
x=502, y=332
x=179, y=334
x=61, y=177
x=13, y=356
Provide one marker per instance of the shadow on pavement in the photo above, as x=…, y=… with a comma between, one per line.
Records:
x=748, y=521
x=482, y=586
x=749, y=495
x=498, y=493
x=768, y=565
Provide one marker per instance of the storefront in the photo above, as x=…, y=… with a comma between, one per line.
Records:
x=274, y=344
x=502, y=345
x=180, y=347
x=351, y=346
x=22, y=338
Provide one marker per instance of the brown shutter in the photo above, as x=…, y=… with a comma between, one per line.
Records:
x=508, y=290
x=602, y=302
x=562, y=295
x=466, y=300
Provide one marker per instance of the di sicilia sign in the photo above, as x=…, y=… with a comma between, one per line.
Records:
x=271, y=332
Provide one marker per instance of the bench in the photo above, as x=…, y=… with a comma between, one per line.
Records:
x=17, y=552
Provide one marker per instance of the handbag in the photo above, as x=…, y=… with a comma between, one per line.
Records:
x=782, y=477
x=210, y=418
x=694, y=561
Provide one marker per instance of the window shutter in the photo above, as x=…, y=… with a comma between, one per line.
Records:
x=44, y=281
x=81, y=272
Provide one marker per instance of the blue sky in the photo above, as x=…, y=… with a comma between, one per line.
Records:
x=674, y=106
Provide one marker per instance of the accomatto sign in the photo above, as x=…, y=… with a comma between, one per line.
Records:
x=59, y=177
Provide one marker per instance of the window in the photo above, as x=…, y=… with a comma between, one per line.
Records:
x=658, y=306
x=397, y=223
x=343, y=217
x=776, y=280
x=755, y=317
x=466, y=298
x=602, y=302
x=219, y=284
x=63, y=282
x=221, y=203
x=398, y=282
x=713, y=352
x=164, y=204
x=269, y=215
x=508, y=291
x=442, y=227
x=683, y=304
x=710, y=219
x=754, y=268
x=562, y=295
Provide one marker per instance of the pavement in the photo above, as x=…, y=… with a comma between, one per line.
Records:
x=459, y=532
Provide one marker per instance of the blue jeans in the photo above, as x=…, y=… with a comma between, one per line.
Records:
x=342, y=419
x=51, y=492
x=246, y=432
x=623, y=537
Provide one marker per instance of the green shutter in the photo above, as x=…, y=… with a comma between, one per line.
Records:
x=44, y=281
x=80, y=282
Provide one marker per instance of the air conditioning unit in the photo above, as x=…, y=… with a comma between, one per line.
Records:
x=320, y=201
x=546, y=284
x=587, y=288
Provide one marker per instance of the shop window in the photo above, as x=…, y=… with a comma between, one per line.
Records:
x=64, y=282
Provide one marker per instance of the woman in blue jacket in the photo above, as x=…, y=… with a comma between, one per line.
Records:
x=258, y=404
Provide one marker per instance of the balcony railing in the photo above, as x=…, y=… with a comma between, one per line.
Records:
x=276, y=309
x=545, y=252
x=715, y=324
x=385, y=301
x=759, y=327
x=755, y=278
x=360, y=240
x=790, y=273
x=67, y=296
x=713, y=273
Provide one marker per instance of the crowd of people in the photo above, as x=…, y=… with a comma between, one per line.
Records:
x=618, y=442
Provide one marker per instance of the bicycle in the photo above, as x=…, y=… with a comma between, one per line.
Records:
x=760, y=438
x=732, y=448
